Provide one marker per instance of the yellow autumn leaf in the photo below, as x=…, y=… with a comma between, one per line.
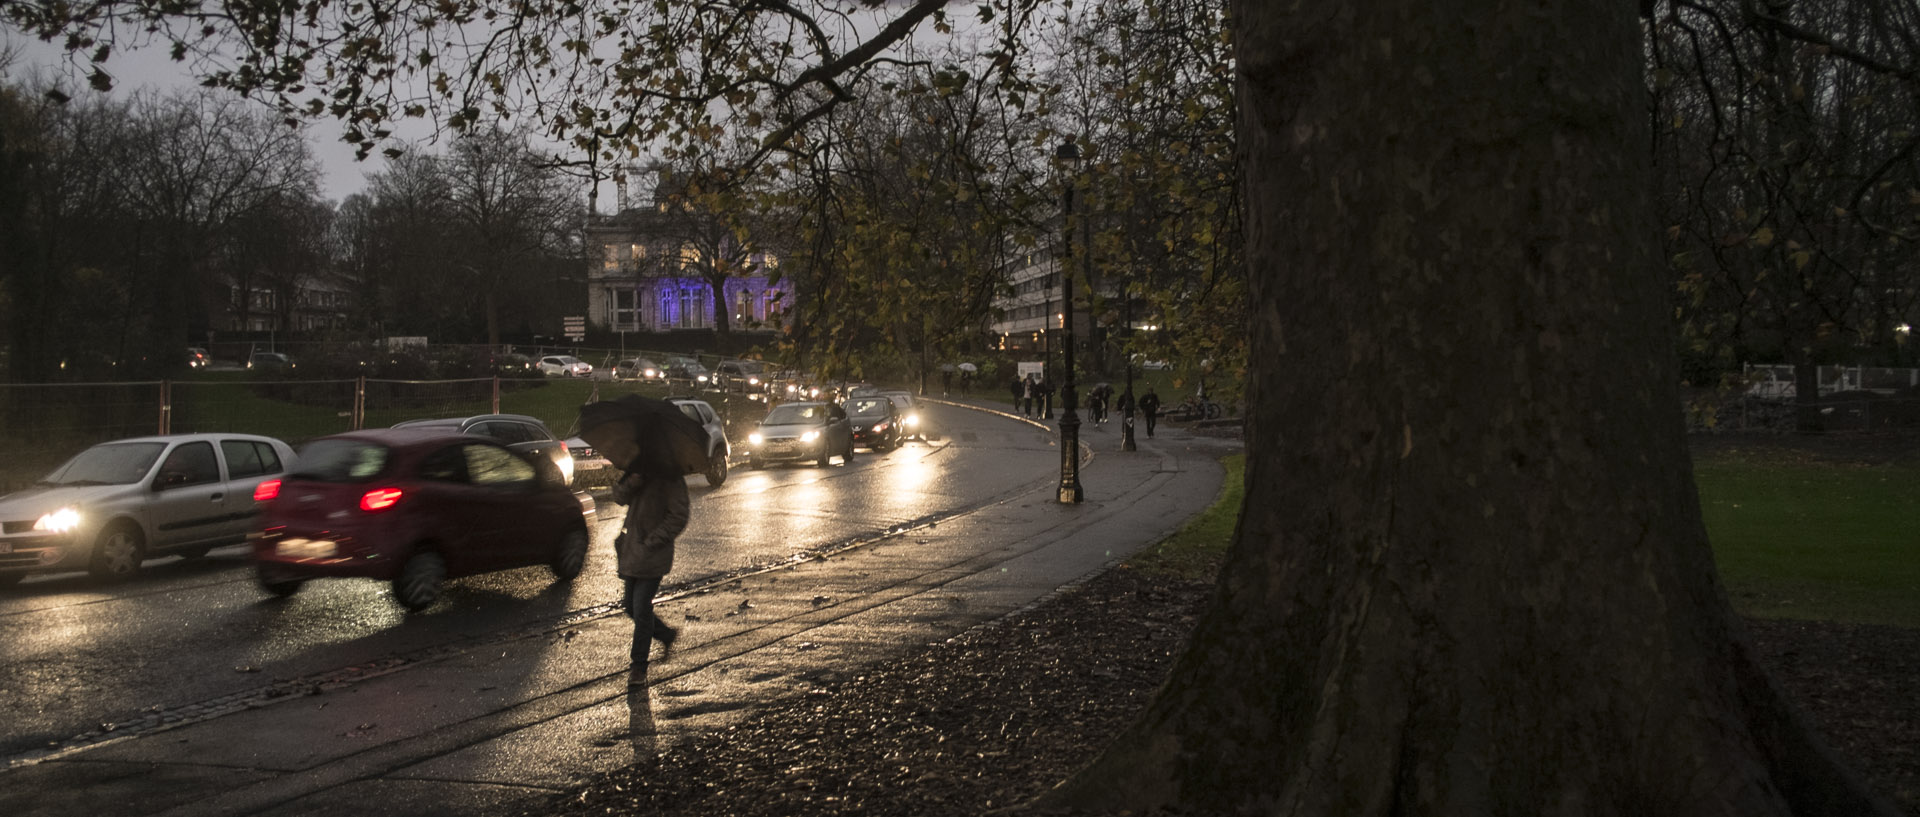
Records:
x=1763, y=236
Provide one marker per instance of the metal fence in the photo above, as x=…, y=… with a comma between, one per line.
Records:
x=1777, y=380
x=46, y=423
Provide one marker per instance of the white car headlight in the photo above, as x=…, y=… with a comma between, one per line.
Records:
x=810, y=436
x=59, y=521
x=755, y=438
x=913, y=419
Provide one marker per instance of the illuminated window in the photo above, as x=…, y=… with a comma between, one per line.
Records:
x=689, y=256
x=612, y=257
x=637, y=252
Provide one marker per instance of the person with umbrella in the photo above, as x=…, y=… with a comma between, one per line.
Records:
x=659, y=446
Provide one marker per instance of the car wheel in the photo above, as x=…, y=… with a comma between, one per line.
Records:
x=717, y=469
x=571, y=558
x=826, y=455
x=418, y=585
x=277, y=581
x=118, y=552
x=847, y=458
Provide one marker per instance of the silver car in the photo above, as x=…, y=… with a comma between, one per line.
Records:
x=802, y=431
x=117, y=504
x=717, y=448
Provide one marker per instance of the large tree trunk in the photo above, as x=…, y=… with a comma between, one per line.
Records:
x=1471, y=575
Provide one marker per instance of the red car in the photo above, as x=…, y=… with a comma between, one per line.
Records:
x=416, y=506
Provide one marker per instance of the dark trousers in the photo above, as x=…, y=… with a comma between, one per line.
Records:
x=1151, y=417
x=646, y=626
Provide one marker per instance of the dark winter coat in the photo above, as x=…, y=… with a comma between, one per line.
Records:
x=657, y=511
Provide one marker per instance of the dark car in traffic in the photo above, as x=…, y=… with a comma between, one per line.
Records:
x=743, y=376
x=876, y=425
x=799, y=432
x=416, y=506
x=909, y=411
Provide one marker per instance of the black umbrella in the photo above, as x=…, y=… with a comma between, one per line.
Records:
x=643, y=434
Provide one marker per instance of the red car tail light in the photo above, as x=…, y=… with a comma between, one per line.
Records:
x=380, y=499
x=266, y=491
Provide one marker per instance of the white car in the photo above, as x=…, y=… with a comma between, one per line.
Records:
x=565, y=366
x=717, y=448
x=119, y=503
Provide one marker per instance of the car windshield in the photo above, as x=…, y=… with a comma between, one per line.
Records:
x=107, y=464
x=797, y=414
x=340, y=461
x=867, y=407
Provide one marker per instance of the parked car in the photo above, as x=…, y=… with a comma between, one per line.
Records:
x=197, y=358
x=743, y=376
x=519, y=432
x=116, y=504
x=269, y=361
x=639, y=368
x=689, y=370
x=875, y=423
x=416, y=506
x=565, y=366
x=801, y=431
x=718, y=450
x=909, y=414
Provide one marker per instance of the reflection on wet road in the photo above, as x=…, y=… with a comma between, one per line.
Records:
x=80, y=656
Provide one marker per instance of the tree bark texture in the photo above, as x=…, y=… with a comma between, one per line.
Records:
x=1471, y=575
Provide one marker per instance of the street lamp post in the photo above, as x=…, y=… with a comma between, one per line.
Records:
x=1069, y=157
x=1126, y=419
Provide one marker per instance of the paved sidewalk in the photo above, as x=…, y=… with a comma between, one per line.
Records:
x=497, y=726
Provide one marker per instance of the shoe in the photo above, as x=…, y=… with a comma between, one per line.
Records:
x=665, y=635
x=637, y=678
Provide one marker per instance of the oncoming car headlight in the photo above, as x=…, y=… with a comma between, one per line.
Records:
x=913, y=419
x=755, y=438
x=59, y=521
x=810, y=436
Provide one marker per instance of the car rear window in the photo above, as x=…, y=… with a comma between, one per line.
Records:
x=341, y=461
x=249, y=458
x=867, y=407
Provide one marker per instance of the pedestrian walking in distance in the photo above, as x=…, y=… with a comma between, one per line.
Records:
x=657, y=511
x=1150, y=408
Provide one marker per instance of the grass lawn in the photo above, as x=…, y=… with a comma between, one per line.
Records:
x=1795, y=536
x=1814, y=537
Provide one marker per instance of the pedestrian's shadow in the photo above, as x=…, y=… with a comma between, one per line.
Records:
x=640, y=729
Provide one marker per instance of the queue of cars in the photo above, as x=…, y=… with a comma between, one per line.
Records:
x=414, y=505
